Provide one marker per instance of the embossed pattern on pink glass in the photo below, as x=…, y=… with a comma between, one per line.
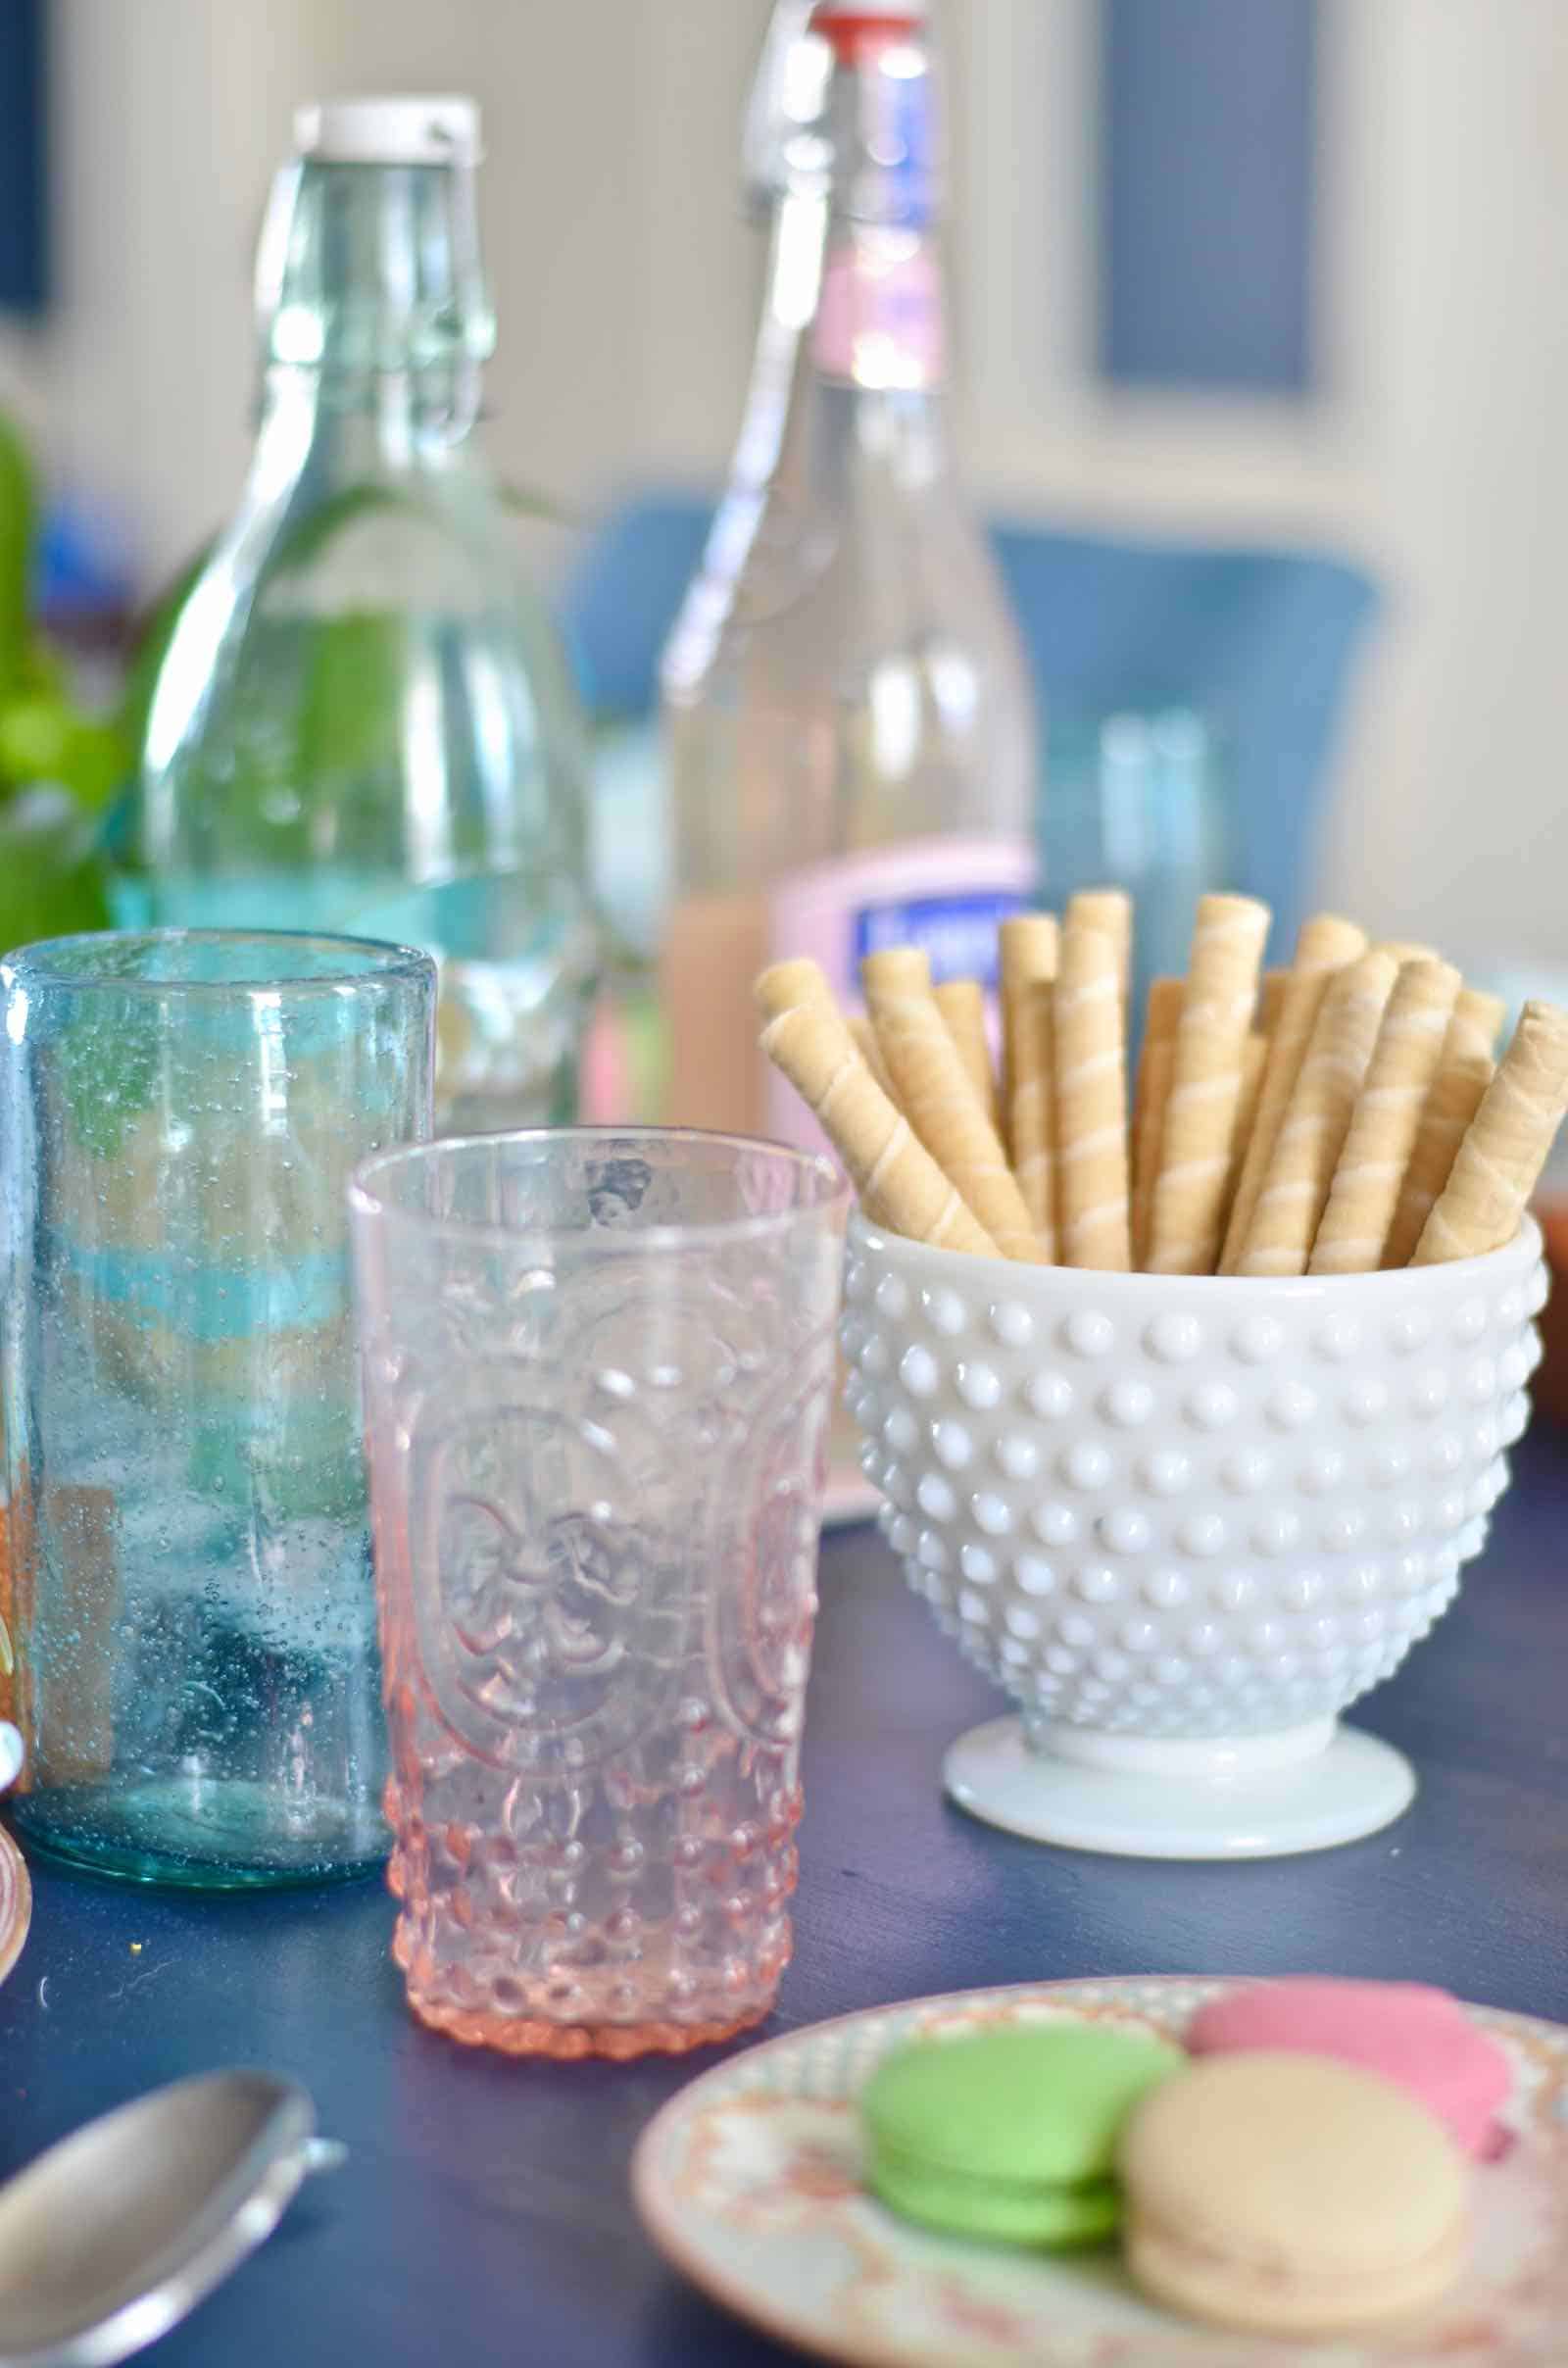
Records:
x=598, y=1370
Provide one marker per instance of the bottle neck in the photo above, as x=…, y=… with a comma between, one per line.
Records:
x=849, y=366
x=348, y=426
x=880, y=324
x=850, y=357
x=372, y=315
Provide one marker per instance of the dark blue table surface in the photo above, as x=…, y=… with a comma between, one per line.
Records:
x=483, y=2214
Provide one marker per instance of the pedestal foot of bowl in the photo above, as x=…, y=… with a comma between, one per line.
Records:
x=1247, y=1797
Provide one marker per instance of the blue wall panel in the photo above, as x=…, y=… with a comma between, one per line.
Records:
x=1207, y=153
x=23, y=158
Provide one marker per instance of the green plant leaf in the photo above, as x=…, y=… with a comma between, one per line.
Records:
x=51, y=879
x=351, y=717
x=43, y=738
x=18, y=502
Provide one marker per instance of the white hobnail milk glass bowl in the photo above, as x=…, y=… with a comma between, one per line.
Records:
x=1185, y=1521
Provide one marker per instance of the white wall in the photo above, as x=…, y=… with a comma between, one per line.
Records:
x=1460, y=820
x=1437, y=450
x=623, y=276
x=626, y=283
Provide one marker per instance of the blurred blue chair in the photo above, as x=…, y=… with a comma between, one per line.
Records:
x=1263, y=644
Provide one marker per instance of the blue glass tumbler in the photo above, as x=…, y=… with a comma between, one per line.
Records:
x=188, y=1570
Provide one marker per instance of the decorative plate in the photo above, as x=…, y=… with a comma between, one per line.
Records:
x=16, y=1903
x=750, y=2182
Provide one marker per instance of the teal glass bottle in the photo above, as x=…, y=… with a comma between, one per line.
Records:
x=362, y=720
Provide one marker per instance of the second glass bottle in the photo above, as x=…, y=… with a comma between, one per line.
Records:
x=848, y=714
x=362, y=720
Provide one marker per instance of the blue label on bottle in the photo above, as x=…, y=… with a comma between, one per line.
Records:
x=906, y=146
x=957, y=934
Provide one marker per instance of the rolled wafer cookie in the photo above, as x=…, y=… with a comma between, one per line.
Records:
x=1187, y=1217
x=1473, y=1029
x=1110, y=912
x=1271, y=999
x=863, y=1037
x=1317, y=1118
x=1452, y=1101
x=1155, y=1055
x=961, y=1003
x=898, y=1182
x=1254, y=1058
x=1404, y=950
x=1091, y=1102
x=1162, y=1018
x=784, y=985
x=1365, y=1191
x=1154, y=1065
x=941, y=1104
x=1030, y=947
x=1454, y=1096
x=1504, y=1149
x=1027, y=950
x=1324, y=944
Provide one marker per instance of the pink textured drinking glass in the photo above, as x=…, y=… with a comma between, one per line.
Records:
x=597, y=1368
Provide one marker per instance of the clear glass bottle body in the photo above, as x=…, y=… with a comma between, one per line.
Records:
x=848, y=718
x=360, y=708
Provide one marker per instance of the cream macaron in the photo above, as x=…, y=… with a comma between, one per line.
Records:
x=1288, y=2194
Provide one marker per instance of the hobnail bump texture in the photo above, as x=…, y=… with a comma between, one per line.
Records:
x=1187, y=1508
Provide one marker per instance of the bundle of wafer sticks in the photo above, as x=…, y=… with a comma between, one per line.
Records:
x=1337, y=1116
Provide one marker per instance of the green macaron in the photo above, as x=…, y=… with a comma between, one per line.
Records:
x=1009, y=2132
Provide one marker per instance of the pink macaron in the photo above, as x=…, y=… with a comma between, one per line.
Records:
x=1420, y=2039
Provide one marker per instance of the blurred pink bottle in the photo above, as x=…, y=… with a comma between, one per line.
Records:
x=849, y=721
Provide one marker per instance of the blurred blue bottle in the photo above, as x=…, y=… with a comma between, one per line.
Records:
x=363, y=722
x=1140, y=801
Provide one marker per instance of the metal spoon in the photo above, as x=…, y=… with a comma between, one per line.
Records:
x=110, y=2237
